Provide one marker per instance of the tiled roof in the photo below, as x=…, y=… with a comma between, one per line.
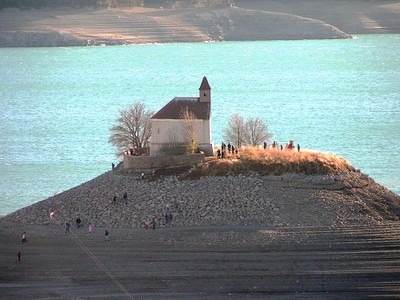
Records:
x=173, y=108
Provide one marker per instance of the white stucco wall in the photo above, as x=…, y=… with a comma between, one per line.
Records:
x=173, y=131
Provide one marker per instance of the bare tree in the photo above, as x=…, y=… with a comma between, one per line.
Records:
x=133, y=128
x=252, y=132
x=236, y=130
x=257, y=132
x=191, y=140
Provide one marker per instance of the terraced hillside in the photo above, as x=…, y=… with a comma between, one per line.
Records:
x=248, y=20
x=70, y=27
x=353, y=17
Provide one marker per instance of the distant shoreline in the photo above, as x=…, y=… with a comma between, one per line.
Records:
x=248, y=21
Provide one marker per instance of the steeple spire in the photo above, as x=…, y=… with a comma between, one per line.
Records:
x=205, y=91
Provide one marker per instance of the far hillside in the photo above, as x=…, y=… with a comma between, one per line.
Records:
x=114, y=3
x=63, y=23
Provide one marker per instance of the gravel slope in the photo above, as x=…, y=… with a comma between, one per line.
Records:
x=290, y=199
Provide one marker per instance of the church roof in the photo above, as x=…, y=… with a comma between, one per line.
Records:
x=204, y=84
x=173, y=108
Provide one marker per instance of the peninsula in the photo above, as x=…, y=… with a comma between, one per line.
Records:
x=255, y=187
x=235, y=229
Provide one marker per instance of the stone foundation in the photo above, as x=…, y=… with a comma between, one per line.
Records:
x=156, y=162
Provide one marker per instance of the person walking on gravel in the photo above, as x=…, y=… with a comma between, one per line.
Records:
x=67, y=226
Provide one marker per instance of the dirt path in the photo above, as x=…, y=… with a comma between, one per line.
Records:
x=351, y=262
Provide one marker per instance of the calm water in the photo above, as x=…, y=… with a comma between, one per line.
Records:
x=57, y=104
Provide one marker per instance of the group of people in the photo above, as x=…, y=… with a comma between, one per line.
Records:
x=288, y=146
x=124, y=198
x=90, y=228
x=166, y=217
x=132, y=151
x=231, y=149
x=78, y=222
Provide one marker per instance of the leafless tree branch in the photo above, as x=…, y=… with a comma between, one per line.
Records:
x=133, y=128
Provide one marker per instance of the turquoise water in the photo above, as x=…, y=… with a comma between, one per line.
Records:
x=57, y=104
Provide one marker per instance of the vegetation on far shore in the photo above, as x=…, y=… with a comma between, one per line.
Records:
x=264, y=162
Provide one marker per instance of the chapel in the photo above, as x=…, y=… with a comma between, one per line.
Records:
x=168, y=127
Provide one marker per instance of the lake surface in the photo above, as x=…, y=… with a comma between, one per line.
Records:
x=57, y=104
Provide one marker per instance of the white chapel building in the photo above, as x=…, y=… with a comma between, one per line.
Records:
x=168, y=126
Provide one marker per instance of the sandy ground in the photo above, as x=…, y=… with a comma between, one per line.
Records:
x=349, y=262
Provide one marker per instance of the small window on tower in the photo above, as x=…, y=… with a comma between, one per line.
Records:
x=205, y=94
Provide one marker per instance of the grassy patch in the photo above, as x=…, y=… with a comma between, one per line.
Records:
x=270, y=162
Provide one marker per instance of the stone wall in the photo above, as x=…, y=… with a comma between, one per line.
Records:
x=155, y=162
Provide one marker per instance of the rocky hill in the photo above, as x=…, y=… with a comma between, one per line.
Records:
x=285, y=236
x=342, y=198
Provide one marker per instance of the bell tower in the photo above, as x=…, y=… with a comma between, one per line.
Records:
x=205, y=91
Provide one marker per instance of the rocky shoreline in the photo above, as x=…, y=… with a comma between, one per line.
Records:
x=288, y=200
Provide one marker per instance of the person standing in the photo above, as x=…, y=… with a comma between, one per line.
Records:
x=166, y=217
x=19, y=256
x=78, y=222
x=23, y=237
x=106, y=236
x=125, y=197
x=90, y=228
